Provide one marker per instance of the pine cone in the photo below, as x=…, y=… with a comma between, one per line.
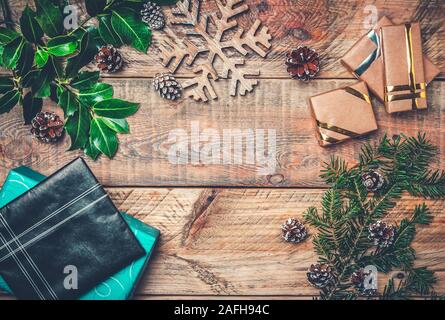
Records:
x=294, y=231
x=320, y=275
x=358, y=279
x=167, y=86
x=47, y=127
x=152, y=15
x=109, y=59
x=381, y=234
x=303, y=63
x=373, y=181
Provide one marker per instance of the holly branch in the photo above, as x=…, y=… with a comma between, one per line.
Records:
x=47, y=60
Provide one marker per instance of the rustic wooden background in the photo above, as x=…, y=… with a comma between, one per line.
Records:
x=220, y=224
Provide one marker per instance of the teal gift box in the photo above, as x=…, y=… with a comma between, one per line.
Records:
x=121, y=286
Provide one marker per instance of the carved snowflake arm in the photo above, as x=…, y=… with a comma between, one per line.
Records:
x=173, y=53
x=228, y=11
x=239, y=82
x=186, y=12
x=252, y=39
x=198, y=87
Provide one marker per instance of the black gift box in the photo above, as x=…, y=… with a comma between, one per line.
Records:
x=63, y=237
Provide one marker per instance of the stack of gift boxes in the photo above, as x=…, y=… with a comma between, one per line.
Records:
x=389, y=62
x=61, y=237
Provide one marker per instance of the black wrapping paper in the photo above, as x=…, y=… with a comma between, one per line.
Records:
x=63, y=237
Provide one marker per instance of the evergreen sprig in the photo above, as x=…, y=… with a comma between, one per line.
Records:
x=348, y=209
x=47, y=61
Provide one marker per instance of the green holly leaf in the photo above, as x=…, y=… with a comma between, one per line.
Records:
x=107, y=32
x=97, y=92
x=41, y=88
x=115, y=108
x=49, y=17
x=95, y=7
x=31, y=106
x=78, y=127
x=117, y=125
x=29, y=26
x=9, y=100
x=12, y=51
x=131, y=29
x=6, y=85
x=26, y=60
x=41, y=57
x=7, y=35
x=69, y=103
x=85, y=80
x=30, y=78
x=87, y=51
x=103, y=137
x=62, y=46
x=2, y=48
x=91, y=151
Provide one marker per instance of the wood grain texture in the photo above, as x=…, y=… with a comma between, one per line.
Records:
x=330, y=27
x=142, y=159
x=227, y=241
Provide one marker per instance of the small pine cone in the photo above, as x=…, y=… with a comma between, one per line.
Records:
x=152, y=15
x=47, y=127
x=381, y=234
x=293, y=231
x=320, y=275
x=167, y=86
x=358, y=279
x=303, y=63
x=373, y=181
x=109, y=59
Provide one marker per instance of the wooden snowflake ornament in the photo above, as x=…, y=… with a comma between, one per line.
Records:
x=173, y=52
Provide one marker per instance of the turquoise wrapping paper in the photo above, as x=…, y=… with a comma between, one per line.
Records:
x=121, y=286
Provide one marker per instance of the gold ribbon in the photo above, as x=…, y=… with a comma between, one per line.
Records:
x=412, y=85
x=339, y=130
x=358, y=94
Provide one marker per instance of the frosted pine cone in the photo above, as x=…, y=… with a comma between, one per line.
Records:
x=373, y=181
x=47, y=127
x=381, y=234
x=294, y=231
x=320, y=275
x=109, y=59
x=152, y=15
x=167, y=86
x=303, y=63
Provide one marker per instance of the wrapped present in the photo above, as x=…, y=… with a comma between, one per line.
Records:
x=342, y=114
x=364, y=60
x=121, y=285
x=63, y=237
x=405, y=87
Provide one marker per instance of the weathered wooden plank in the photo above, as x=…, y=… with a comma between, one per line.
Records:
x=277, y=104
x=329, y=27
x=227, y=241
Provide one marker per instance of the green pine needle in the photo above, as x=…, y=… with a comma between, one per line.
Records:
x=348, y=209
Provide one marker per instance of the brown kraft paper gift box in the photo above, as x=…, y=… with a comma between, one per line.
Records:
x=405, y=87
x=342, y=114
x=365, y=62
